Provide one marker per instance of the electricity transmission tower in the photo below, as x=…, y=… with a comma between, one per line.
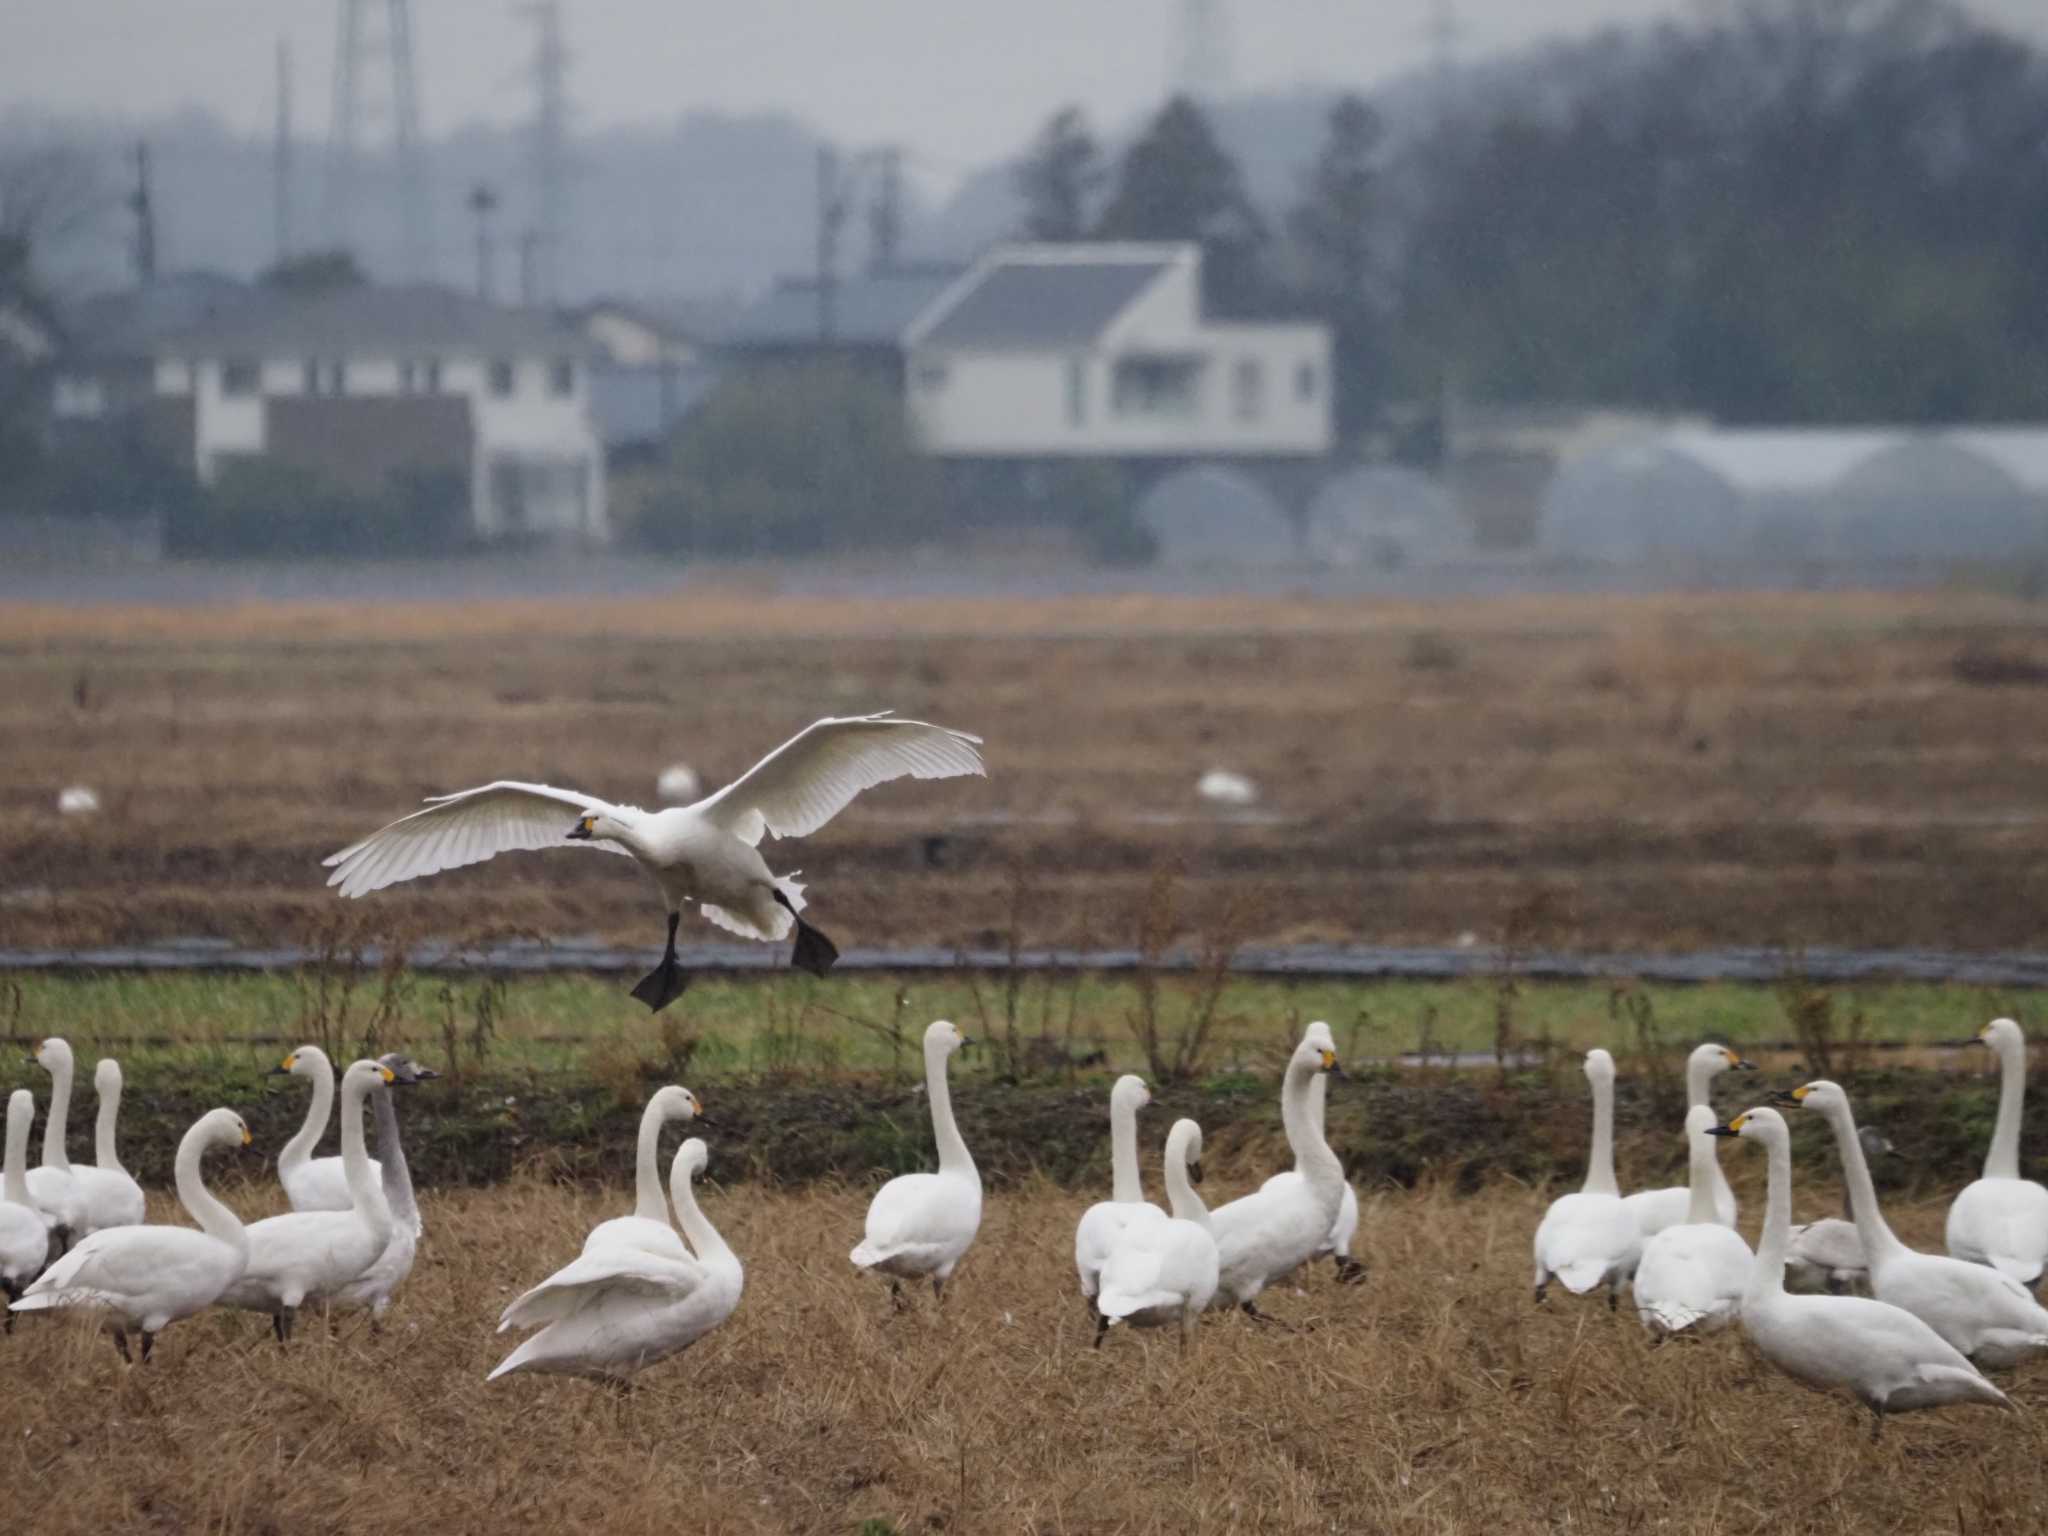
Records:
x=543, y=276
x=355, y=51
x=1201, y=63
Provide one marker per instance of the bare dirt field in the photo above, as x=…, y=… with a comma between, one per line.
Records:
x=1653, y=773
x=1436, y=1398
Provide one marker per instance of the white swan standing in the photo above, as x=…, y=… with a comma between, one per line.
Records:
x=109, y=1195
x=616, y=1311
x=1656, y=1209
x=375, y=1286
x=921, y=1224
x=1886, y=1358
x=1691, y=1277
x=148, y=1277
x=55, y=1192
x=1164, y=1269
x=2002, y=1219
x=24, y=1238
x=1344, y=1230
x=311, y=1255
x=1101, y=1224
x=648, y=1227
x=1591, y=1238
x=314, y=1183
x=1827, y=1255
x=1272, y=1232
x=1988, y=1316
x=705, y=853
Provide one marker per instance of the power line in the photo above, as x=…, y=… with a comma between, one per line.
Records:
x=354, y=51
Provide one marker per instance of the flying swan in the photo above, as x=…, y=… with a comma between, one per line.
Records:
x=1885, y=1357
x=707, y=853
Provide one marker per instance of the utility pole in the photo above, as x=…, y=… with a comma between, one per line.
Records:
x=281, y=154
x=885, y=211
x=831, y=215
x=483, y=202
x=140, y=205
x=532, y=245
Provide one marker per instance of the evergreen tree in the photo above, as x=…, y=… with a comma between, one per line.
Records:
x=1177, y=183
x=1059, y=178
x=1333, y=229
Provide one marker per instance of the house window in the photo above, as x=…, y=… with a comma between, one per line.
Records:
x=1248, y=389
x=326, y=377
x=501, y=377
x=238, y=376
x=1077, y=392
x=1156, y=386
x=561, y=378
x=420, y=376
x=1305, y=382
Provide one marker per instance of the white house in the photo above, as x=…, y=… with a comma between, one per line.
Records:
x=1102, y=351
x=361, y=382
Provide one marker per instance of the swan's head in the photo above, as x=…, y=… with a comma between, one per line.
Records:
x=1130, y=1093
x=1819, y=1094
x=1761, y=1124
x=306, y=1061
x=691, y=1157
x=2001, y=1035
x=673, y=1103
x=1184, y=1142
x=53, y=1055
x=21, y=1106
x=225, y=1128
x=599, y=825
x=1318, y=1033
x=106, y=1077
x=404, y=1070
x=1599, y=1066
x=945, y=1034
x=370, y=1074
x=1721, y=1058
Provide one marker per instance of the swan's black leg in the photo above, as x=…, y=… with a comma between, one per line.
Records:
x=1101, y=1327
x=667, y=981
x=814, y=952
x=1251, y=1311
x=121, y=1343
x=12, y=1297
x=148, y=1344
x=1349, y=1270
x=896, y=1301
x=939, y=1289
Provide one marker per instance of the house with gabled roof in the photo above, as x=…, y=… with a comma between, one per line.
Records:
x=1101, y=350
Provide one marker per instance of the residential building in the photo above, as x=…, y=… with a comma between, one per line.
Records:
x=861, y=320
x=647, y=371
x=1101, y=350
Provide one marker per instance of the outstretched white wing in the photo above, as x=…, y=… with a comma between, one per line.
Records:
x=808, y=780
x=467, y=828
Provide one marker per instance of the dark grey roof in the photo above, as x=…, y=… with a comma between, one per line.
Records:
x=1028, y=304
x=130, y=323
x=365, y=319
x=867, y=311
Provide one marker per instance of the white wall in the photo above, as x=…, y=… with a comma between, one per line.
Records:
x=221, y=423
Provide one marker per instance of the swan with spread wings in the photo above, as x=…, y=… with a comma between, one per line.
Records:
x=706, y=853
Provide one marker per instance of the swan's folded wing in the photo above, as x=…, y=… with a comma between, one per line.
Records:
x=809, y=779
x=614, y=1272
x=466, y=828
x=118, y=1263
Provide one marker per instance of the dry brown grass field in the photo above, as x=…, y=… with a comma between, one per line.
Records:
x=1651, y=772
x=1436, y=1398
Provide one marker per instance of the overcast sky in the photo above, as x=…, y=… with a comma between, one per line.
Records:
x=960, y=82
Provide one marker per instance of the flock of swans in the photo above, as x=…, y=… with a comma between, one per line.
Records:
x=1931, y=1324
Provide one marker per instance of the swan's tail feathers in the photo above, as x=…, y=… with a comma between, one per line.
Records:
x=517, y=1360
x=2026, y=1271
x=1583, y=1275
x=1973, y=1384
x=868, y=1254
x=745, y=926
x=792, y=890
x=1670, y=1316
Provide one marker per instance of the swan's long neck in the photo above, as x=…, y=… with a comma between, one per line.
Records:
x=1878, y=1239
x=104, y=1152
x=300, y=1147
x=1703, y=1165
x=1699, y=1089
x=1181, y=1198
x=704, y=1239
x=1600, y=1161
x=14, y=1185
x=953, y=1154
x=54, y=1155
x=1767, y=1275
x=215, y=1219
x=648, y=1202
x=1127, y=1185
x=355, y=1158
x=2003, y=1162
x=1313, y=1158
x=391, y=1159
x=1316, y=1107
